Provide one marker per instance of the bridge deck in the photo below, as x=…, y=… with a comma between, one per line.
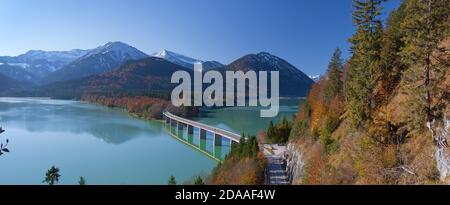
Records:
x=227, y=134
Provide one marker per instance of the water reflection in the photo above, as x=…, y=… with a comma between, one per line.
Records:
x=104, y=145
x=43, y=115
x=206, y=146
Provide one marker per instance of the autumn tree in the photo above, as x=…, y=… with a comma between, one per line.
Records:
x=426, y=25
x=261, y=136
x=243, y=165
x=365, y=61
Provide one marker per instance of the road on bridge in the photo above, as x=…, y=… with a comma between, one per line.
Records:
x=224, y=133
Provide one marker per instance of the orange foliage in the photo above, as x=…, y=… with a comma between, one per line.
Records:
x=146, y=107
x=246, y=171
x=315, y=166
x=261, y=137
x=320, y=108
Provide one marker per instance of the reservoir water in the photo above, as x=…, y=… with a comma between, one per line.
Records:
x=104, y=145
x=247, y=120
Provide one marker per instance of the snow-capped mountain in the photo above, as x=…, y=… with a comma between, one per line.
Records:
x=16, y=72
x=99, y=60
x=119, y=51
x=37, y=64
x=185, y=61
x=52, y=56
x=153, y=73
x=315, y=78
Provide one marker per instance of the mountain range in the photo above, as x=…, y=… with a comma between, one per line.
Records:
x=36, y=64
x=149, y=75
x=185, y=61
x=118, y=66
x=99, y=60
x=315, y=78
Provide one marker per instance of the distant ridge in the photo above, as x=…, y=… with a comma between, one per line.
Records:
x=293, y=82
x=185, y=61
x=99, y=60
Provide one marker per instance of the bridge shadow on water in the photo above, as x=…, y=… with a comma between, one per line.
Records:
x=205, y=146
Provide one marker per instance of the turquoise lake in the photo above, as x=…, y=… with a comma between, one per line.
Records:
x=104, y=145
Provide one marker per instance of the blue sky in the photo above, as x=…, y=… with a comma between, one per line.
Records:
x=304, y=32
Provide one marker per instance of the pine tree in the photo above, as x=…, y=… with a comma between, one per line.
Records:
x=334, y=85
x=240, y=147
x=172, y=181
x=391, y=66
x=82, y=181
x=285, y=127
x=426, y=25
x=271, y=131
x=365, y=62
x=52, y=176
x=254, y=149
x=199, y=181
x=245, y=148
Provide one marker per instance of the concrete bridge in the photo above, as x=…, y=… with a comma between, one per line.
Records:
x=183, y=126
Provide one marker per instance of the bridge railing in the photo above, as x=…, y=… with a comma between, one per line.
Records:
x=225, y=133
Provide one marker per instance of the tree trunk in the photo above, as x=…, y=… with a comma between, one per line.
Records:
x=427, y=90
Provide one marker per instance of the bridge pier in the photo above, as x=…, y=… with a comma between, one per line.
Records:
x=217, y=145
x=202, y=134
x=173, y=124
x=217, y=140
x=190, y=129
x=166, y=121
x=220, y=137
x=179, y=129
x=202, y=139
x=190, y=133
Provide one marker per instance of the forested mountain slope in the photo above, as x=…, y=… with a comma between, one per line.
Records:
x=383, y=116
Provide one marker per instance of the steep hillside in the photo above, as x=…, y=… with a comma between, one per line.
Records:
x=392, y=129
x=9, y=86
x=148, y=75
x=16, y=72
